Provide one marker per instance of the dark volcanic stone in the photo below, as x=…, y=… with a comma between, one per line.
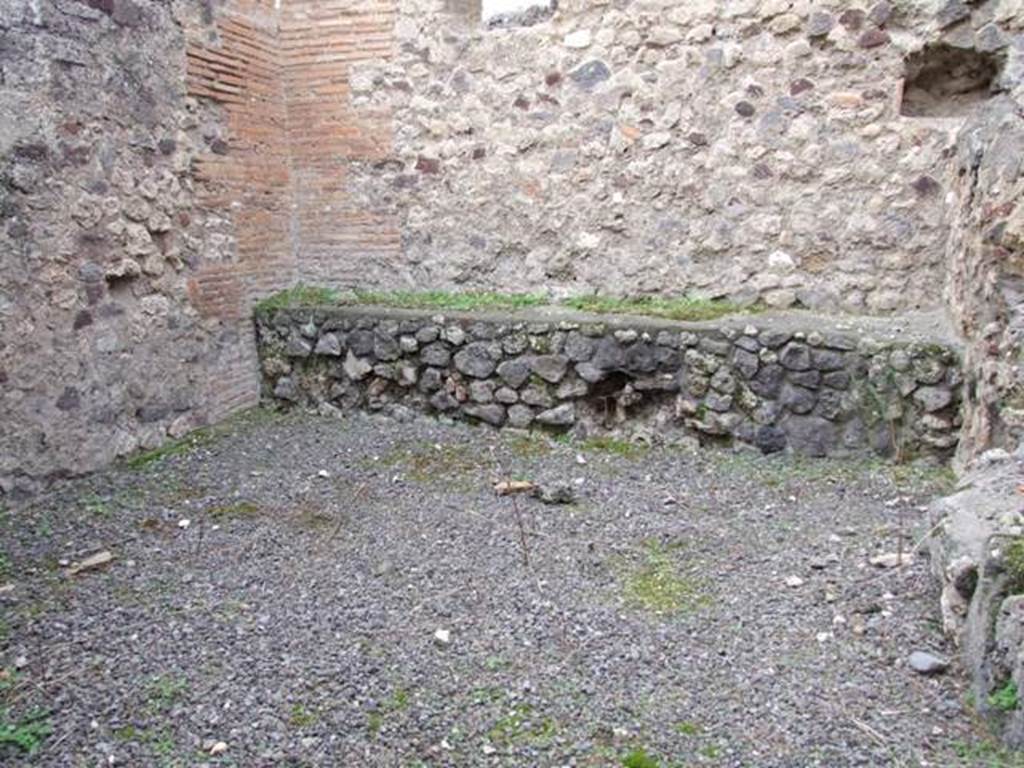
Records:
x=493, y=414
x=514, y=372
x=590, y=75
x=820, y=23
x=550, y=367
x=798, y=399
x=435, y=354
x=811, y=435
x=770, y=439
x=475, y=360
x=796, y=357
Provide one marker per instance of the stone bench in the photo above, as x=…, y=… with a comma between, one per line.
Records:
x=789, y=381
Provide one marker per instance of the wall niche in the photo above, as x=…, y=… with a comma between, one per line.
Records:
x=944, y=81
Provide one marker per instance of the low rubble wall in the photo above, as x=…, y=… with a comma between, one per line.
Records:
x=778, y=382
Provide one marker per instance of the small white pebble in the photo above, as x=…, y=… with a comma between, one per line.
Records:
x=794, y=581
x=580, y=459
x=323, y=473
x=184, y=523
x=443, y=636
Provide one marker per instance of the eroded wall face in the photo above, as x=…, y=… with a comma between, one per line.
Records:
x=136, y=223
x=742, y=149
x=987, y=276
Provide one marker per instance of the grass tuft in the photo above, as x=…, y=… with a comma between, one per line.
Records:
x=1004, y=699
x=163, y=693
x=639, y=758
x=26, y=733
x=301, y=717
x=523, y=726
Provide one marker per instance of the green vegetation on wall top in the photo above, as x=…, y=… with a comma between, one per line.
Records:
x=673, y=308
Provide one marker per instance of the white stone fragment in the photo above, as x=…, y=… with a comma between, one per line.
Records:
x=581, y=38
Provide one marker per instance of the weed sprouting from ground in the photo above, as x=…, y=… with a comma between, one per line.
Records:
x=162, y=693
x=988, y=754
x=638, y=758
x=1005, y=698
x=658, y=583
x=688, y=728
x=301, y=717
x=26, y=733
x=522, y=725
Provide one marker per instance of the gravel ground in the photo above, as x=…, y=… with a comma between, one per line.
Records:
x=700, y=609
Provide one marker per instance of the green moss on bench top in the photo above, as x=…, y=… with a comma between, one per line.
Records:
x=671, y=308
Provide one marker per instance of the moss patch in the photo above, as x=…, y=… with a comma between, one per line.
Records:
x=673, y=308
x=25, y=733
x=638, y=758
x=186, y=444
x=432, y=463
x=613, y=445
x=463, y=302
x=1005, y=698
x=523, y=726
x=532, y=446
x=1013, y=562
x=659, y=582
x=300, y=296
x=238, y=509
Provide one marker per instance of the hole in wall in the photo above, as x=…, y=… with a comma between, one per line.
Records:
x=943, y=81
x=510, y=13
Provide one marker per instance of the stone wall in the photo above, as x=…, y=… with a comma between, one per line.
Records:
x=772, y=382
x=751, y=149
x=986, y=256
x=135, y=223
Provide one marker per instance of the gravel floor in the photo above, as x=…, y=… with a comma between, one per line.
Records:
x=696, y=609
